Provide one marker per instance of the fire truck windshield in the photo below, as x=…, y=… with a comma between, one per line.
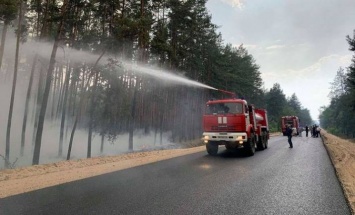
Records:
x=223, y=108
x=289, y=122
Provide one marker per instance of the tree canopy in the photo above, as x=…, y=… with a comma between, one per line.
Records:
x=339, y=116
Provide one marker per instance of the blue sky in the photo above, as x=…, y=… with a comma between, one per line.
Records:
x=299, y=44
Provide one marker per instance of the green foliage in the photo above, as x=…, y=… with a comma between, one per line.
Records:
x=278, y=105
x=339, y=117
x=276, y=101
x=338, y=86
x=305, y=117
x=351, y=72
x=295, y=108
x=274, y=126
x=8, y=10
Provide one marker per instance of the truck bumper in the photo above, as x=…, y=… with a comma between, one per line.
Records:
x=221, y=138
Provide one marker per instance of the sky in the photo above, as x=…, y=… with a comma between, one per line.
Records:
x=299, y=44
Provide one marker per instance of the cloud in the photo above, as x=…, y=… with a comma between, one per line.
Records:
x=275, y=47
x=310, y=83
x=324, y=63
x=248, y=46
x=235, y=3
x=300, y=45
x=300, y=48
x=346, y=59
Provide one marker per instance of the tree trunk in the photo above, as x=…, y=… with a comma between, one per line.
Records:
x=102, y=143
x=81, y=105
x=8, y=132
x=61, y=90
x=161, y=128
x=44, y=30
x=37, y=105
x=2, y=45
x=123, y=9
x=132, y=124
x=72, y=88
x=38, y=9
x=71, y=138
x=28, y=96
x=33, y=111
x=92, y=109
x=55, y=75
x=42, y=114
x=64, y=110
x=155, y=134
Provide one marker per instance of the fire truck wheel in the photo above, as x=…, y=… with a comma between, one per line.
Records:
x=229, y=147
x=261, y=145
x=266, y=143
x=262, y=142
x=212, y=148
x=250, y=146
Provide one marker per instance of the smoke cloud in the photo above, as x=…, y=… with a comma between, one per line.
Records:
x=51, y=132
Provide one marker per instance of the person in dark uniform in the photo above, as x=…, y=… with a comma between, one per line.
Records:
x=306, y=130
x=314, y=131
x=289, y=135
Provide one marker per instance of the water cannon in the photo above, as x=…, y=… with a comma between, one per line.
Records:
x=228, y=92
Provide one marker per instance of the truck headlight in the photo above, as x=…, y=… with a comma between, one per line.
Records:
x=206, y=138
x=239, y=138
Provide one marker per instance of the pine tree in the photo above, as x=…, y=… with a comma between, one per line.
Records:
x=8, y=12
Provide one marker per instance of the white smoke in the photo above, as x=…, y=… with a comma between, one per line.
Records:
x=50, y=139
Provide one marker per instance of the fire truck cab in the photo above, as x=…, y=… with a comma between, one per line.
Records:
x=235, y=124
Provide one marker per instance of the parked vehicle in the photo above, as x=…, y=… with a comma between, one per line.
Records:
x=235, y=124
x=291, y=121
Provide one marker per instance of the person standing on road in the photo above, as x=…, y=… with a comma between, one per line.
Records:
x=314, y=131
x=306, y=128
x=317, y=131
x=300, y=130
x=289, y=135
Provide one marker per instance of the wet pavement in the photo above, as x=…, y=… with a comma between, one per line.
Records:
x=278, y=180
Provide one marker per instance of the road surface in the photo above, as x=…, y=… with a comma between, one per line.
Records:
x=278, y=180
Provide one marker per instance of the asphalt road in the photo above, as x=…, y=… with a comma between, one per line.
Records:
x=277, y=180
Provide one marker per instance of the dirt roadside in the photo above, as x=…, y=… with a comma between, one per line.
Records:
x=342, y=154
x=21, y=180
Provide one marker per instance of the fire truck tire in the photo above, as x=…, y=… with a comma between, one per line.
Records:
x=229, y=147
x=266, y=143
x=212, y=148
x=250, y=146
x=262, y=142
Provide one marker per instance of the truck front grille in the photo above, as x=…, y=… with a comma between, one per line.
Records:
x=224, y=128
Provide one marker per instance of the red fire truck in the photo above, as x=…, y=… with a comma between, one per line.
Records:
x=289, y=120
x=236, y=125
